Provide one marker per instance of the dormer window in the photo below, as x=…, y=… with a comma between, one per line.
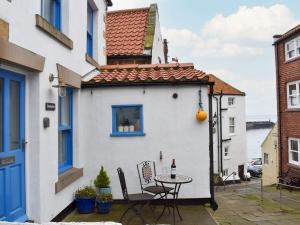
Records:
x=292, y=49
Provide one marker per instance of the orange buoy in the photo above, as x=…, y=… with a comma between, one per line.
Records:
x=201, y=115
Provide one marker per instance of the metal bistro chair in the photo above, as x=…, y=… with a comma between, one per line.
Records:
x=133, y=200
x=147, y=172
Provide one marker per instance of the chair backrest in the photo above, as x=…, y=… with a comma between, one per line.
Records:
x=147, y=172
x=123, y=183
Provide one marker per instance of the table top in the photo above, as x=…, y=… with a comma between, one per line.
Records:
x=166, y=178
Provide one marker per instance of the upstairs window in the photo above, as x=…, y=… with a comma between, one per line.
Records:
x=231, y=125
x=292, y=49
x=266, y=158
x=226, y=152
x=90, y=24
x=51, y=11
x=294, y=148
x=293, y=94
x=231, y=101
x=127, y=120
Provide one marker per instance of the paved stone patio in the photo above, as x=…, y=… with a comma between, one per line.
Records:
x=192, y=215
x=242, y=205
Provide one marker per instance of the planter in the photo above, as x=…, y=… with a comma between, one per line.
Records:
x=85, y=205
x=105, y=190
x=104, y=207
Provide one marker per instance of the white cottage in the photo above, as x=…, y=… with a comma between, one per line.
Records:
x=42, y=158
x=229, y=110
x=55, y=135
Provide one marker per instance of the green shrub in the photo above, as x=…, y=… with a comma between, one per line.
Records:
x=85, y=192
x=105, y=197
x=102, y=180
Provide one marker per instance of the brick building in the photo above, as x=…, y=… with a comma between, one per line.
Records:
x=287, y=56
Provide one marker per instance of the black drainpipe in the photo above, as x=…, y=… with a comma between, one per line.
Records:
x=278, y=110
x=218, y=130
x=213, y=203
x=221, y=132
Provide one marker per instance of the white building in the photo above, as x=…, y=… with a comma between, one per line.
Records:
x=55, y=139
x=230, y=152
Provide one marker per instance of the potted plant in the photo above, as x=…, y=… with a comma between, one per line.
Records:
x=104, y=202
x=85, y=199
x=102, y=182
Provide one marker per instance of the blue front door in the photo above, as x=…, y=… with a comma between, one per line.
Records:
x=12, y=157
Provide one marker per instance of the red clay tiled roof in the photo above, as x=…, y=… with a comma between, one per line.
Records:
x=126, y=31
x=226, y=88
x=148, y=73
x=291, y=32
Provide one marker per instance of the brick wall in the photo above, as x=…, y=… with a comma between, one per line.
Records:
x=289, y=119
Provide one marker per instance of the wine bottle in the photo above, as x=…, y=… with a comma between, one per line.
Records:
x=173, y=170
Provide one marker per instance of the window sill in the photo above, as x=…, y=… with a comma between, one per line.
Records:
x=128, y=134
x=292, y=59
x=227, y=158
x=232, y=134
x=92, y=61
x=293, y=110
x=48, y=28
x=67, y=178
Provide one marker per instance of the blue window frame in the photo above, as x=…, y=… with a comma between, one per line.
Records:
x=127, y=120
x=90, y=31
x=51, y=11
x=65, y=132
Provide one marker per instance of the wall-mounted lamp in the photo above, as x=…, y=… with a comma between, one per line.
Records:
x=62, y=88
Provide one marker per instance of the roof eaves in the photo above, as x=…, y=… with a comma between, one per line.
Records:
x=287, y=34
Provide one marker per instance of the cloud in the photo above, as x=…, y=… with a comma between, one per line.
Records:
x=199, y=46
x=242, y=33
x=128, y=4
x=257, y=23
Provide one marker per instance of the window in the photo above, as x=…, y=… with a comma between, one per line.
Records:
x=231, y=101
x=226, y=152
x=90, y=23
x=293, y=94
x=225, y=172
x=292, y=49
x=231, y=125
x=65, y=140
x=266, y=158
x=294, y=147
x=127, y=120
x=51, y=11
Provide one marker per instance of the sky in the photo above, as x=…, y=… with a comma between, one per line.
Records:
x=231, y=39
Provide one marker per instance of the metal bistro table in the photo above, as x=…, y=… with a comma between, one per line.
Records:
x=178, y=181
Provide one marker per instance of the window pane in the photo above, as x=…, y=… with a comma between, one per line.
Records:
x=1, y=115
x=294, y=145
x=48, y=10
x=14, y=115
x=293, y=100
x=292, y=89
x=128, y=119
x=89, y=19
x=65, y=111
x=62, y=147
x=294, y=156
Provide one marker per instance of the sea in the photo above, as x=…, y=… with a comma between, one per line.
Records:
x=255, y=137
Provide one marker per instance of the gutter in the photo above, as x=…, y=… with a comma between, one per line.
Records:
x=213, y=203
x=218, y=131
x=221, y=131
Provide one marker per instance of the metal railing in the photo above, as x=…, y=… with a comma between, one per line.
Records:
x=224, y=183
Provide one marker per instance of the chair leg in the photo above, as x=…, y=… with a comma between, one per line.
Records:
x=124, y=213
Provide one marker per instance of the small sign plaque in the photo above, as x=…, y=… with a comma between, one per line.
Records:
x=50, y=106
x=7, y=160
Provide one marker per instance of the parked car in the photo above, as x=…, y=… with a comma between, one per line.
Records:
x=255, y=167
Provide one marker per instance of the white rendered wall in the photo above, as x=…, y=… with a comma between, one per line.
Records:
x=237, y=144
x=42, y=148
x=169, y=124
x=158, y=46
